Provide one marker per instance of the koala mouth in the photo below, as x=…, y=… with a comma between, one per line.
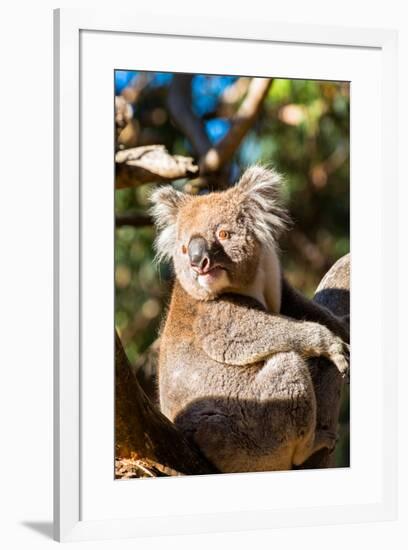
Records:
x=210, y=273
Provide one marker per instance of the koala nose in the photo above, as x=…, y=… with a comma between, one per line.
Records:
x=198, y=253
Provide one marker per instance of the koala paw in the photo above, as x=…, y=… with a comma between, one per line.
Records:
x=339, y=354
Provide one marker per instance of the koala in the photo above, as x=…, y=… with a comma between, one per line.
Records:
x=233, y=363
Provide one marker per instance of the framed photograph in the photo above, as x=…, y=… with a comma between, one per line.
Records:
x=220, y=362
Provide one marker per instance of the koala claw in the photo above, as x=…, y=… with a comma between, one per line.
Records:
x=339, y=354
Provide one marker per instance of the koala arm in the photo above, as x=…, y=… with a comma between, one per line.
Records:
x=231, y=332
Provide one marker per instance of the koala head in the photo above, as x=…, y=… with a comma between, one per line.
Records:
x=216, y=240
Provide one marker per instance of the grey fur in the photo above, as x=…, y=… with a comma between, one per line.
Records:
x=233, y=372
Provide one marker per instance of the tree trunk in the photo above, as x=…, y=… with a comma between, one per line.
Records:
x=142, y=432
x=333, y=293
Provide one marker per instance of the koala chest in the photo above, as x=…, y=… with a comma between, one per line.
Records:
x=187, y=375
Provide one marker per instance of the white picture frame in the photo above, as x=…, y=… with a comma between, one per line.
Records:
x=71, y=317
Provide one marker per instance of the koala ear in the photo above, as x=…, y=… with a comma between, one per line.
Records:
x=166, y=202
x=260, y=191
x=260, y=182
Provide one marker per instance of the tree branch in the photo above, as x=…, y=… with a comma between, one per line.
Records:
x=151, y=164
x=213, y=159
x=179, y=102
x=134, y=219
x=242, y=121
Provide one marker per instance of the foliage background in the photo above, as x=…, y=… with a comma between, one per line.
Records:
x=303, y=130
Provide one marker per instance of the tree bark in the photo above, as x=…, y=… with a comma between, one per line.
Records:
x=333, y=293
x=142, y=432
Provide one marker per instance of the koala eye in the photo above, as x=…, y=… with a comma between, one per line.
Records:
x=184, y=249
x=223, y=235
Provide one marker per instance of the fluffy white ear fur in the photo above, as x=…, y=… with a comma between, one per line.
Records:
x=166, y=202
x=260, y=190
